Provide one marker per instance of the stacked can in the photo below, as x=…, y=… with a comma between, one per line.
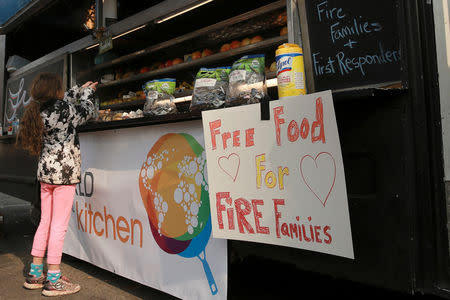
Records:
x=290, y=70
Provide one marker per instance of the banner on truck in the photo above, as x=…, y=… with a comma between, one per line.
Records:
x=142, y=210
x=279, y=181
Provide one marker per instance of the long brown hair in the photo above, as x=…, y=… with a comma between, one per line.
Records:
x=45, y=86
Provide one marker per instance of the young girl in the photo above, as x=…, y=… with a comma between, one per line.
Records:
x=48, y=130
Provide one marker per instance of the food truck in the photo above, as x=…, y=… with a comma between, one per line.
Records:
x=375, y=106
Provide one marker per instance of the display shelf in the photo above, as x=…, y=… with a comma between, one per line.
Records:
x=179, y=97
x=140, y=103
x=144, y=121
x=124, y=105
x=184, y=38
x=214, y=58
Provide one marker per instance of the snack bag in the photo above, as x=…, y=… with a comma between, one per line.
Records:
x=210, y=88
x=247, y=82
x=159, y=97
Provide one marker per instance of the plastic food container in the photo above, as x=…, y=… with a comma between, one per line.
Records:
x=290, y=70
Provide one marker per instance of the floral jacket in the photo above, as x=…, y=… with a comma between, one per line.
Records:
x=60, y=159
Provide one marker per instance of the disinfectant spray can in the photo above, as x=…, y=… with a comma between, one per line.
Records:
x=290, y=70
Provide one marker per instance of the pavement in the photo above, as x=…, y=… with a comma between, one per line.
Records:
x=250, y=278
x=16, y=237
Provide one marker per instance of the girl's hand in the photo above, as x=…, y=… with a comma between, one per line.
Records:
x=86, y=84
x=93, y=85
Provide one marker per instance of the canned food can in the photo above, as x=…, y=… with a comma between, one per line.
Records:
x=290, y=70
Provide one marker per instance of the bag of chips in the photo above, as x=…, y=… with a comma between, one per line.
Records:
x=159, y=97
x=210, y=88
x=247, y=82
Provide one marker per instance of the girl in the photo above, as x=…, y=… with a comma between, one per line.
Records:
x=48, y=130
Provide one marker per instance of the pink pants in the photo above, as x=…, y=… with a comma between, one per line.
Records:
x=56, y=206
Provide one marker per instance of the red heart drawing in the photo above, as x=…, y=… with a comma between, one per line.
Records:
x=230, y=165
x=321, y=190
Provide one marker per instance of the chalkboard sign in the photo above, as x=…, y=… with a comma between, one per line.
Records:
x=350, y=43
x=18, y=88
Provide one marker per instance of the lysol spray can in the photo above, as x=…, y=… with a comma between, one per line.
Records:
x=290, y=70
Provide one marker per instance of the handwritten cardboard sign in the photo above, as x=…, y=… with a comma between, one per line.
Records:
x=279, y=181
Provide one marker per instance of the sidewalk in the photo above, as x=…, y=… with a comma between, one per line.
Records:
x=16, y=237
x=251, y=278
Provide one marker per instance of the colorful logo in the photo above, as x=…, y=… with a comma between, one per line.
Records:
x=174, y=190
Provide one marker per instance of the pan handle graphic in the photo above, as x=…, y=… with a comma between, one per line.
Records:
x=208, y=273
